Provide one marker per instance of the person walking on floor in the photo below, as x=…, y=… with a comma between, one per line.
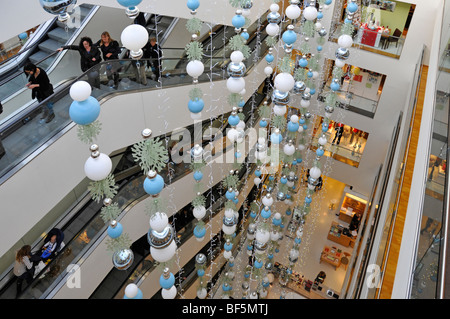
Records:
x=155, y=53
x=41, y=88
x=339, y=131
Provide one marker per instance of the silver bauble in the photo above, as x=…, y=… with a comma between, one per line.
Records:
x=342, y=53
x=273, y=17
x=322, y=32
x=58, y=7
x=161, y=239
x=236, y=70
x=329, y=108
x=306, y=96
x=280, y=98
x=247, y=4
x=122, y=259
x=200, y=259
x=299, y=87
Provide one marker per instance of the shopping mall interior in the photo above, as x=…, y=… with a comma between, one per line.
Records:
x=272, y=149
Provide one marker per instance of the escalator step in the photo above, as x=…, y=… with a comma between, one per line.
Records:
x=49, y=46
x=60, y=35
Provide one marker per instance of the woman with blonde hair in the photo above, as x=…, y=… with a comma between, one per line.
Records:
x=110, y=50
x=23, y=267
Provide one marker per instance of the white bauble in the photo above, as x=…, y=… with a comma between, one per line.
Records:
x=294, y=118
x=164, y=254
x=289, y=149
x=268, y=70
x=246, y=12
x=196, y=116
x=339, y=63
x=267, y=201
x=229, y=230
x=202, y=293
x=233, y=135
x=277, y=216
x=280, y=109
x=227, y=254
x=318, y=26
x=262, y=236
x=274, y=7
x=235, y=85
x=322, y=140
x=284, y=82
x=271, y=277
x=98, y=168
x=263, y=293
x=229, y=213
x=300, y=129
x=345, y=41
x=272, y=29
x=80, y=91
x=293, y=11
x=310, y=13
x=274, y=235
x=237, y=56
x=257, y=181
x=241, y=125
x=293, y=253
x=315, y=75
x=159, y=221
x=134, y=37
x=301, y=147
x=299, y=233
x=170, y=293
x=311, y=187
x=305, y=103
x=131, y=291
x=315, y=172
x=199, y=212
x=261, y=155
x=195, y=68
x=290, y=184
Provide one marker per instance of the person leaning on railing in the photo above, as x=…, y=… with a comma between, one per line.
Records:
x=90, y=56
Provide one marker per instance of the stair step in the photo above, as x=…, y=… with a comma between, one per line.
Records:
x=60, y=35
x=49, y=45
x=39, y=55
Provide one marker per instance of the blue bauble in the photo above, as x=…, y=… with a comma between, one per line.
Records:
x=116, y=231
x=328, y=2
x=249, y=247
x=258, y=173
x=230, y=195
x=319, y=15
x=23, y=36
x=283, y=180
x=271, y=178
x=303, y=62
x=226, y=288
x=199, y=232
x=334, y=86
x=320, y=152
x=348, y=21
x=269, y=58
x=289, y=37
x=294, y=162
x=193, y=4
x=235, y=200
x=266, y=284
x=167, y=283
x=302, y=120
x=246, y=275
x=263, y=123
x=288, y=212
x=276, y=222
x=198, y=175
x=308, y=199
x=298, y=240
x=277, y=250
x=299, y=160
x=252, y=214
x=312, y=91
x=129, y=3
x=276, y=139
x=309, y=74
x=324, y=128
x=319, y=48
x=292, y=127
x=305, y=127
x=241, y=103
x=196, y=106
x=288, y=196
x=245, y=35
x=231, y=264
x=238, y=21
x=153, y=186
x=352, y=7
x=200, y=272
x=258, y=264
x=84, y=112
x=270, y=256
x=233, y=120
x=228, y=246
x=265, y=213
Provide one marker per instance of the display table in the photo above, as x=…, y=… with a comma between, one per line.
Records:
x=337, y=234
x=346, y=215
x=331, y=256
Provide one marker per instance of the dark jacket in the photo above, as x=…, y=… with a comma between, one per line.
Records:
x=45, y=88
x=86, y=57
x=153, y=52
x=113, y=48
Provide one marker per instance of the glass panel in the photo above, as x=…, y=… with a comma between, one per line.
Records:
x=344, y=143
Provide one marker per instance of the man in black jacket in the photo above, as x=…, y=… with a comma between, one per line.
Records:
x=153, y=51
